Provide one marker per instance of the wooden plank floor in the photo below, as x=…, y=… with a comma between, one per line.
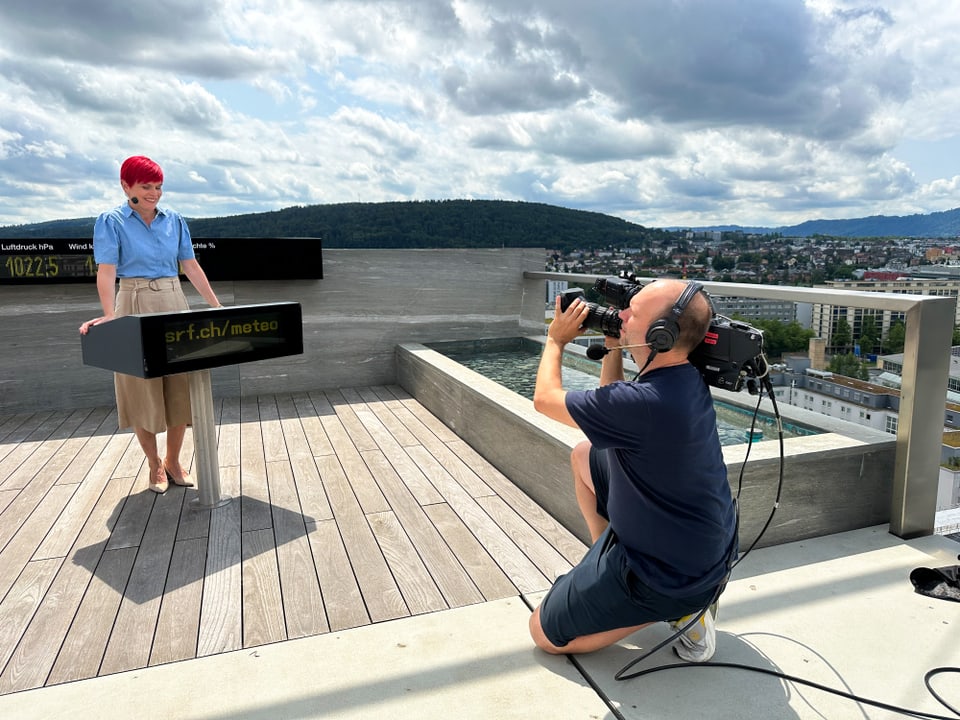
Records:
x=349, y=507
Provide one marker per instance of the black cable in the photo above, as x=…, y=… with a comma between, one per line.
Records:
x=768, y=386
x=575, y=661
x=622, y=673
x=936, y=695
x=824, y=688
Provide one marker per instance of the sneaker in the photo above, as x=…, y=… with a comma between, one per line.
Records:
x=698, y=642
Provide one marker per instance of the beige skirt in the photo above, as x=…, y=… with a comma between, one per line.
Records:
x=153, y=404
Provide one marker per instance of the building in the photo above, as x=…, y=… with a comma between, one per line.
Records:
x=825, y=317
x=554, y=288
x=875, y=405
x=784, y=311
x=840, y=397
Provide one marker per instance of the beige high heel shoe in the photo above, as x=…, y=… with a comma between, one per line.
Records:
x=161, y=485
x=183, y=481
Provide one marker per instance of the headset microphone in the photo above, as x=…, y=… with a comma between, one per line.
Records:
x=134, y=199
x=596, y=352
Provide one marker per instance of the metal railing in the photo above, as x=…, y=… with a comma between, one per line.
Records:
x=926, y=360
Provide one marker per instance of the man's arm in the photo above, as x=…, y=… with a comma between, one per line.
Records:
x=611, y=369
x=549, y=397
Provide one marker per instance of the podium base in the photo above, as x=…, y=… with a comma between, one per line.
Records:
x=198, y=505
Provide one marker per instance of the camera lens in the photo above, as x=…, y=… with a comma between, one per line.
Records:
x=599, y=318
x=609, y=322
x=617, y=291
x=604, y=319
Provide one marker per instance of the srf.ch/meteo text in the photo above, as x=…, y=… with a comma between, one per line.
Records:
x=212, y=330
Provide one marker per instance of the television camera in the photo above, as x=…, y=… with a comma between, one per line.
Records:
x=729, y=357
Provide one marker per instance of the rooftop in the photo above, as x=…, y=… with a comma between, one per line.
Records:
x=372, y=564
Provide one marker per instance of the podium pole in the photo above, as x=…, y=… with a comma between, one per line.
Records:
x=205, y=442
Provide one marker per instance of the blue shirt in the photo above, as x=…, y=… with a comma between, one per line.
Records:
x=122, y=238
x=669, y=500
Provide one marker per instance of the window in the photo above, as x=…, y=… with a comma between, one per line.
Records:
x=891, y=426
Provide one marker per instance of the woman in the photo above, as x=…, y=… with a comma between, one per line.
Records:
x=142, y=244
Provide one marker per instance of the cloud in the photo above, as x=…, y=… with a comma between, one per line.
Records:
x=525, y=68
x=108, y=32
x=700, y=112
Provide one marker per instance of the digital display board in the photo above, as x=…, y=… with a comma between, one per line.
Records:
x=46, y=261
x=252, y=332
x=57, y=260
x=157, y=344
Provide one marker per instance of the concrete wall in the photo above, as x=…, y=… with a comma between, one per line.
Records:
x=836, y=481
x=367, y=302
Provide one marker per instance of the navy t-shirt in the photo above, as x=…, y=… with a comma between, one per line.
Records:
x=669, y=501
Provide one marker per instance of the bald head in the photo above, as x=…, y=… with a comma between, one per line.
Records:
x=695, y=319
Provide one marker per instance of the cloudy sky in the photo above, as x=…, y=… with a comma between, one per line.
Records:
x=663, y=112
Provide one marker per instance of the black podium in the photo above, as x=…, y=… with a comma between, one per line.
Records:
x=193, y=341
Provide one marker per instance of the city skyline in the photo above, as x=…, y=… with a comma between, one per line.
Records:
x=694, y=113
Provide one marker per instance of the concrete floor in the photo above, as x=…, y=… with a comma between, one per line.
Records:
x=837, y=610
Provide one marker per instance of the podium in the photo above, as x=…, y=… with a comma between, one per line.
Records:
x=152, y=345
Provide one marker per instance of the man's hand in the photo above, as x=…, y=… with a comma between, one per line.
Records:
x=566, y=326
x=549, y=397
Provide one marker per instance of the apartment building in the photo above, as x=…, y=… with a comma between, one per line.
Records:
x=875, y=404
x=825, y=317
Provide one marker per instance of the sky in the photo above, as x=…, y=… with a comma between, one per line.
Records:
x=663, y=112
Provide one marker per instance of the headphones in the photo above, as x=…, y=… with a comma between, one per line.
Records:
x=663, y=333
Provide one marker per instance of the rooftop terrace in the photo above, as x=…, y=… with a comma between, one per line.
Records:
x=371, y=564
x=377, y=561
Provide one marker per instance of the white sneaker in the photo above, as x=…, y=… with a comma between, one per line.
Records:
x=698, y=642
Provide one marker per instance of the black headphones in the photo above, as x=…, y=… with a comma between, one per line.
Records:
x=663, y=333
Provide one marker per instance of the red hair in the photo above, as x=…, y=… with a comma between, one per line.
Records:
x=140, y=169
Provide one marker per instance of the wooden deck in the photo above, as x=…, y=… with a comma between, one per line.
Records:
x=349, y=508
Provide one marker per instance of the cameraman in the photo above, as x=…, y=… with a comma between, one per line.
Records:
x=650, y=481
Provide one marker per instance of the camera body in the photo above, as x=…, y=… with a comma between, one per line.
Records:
x=730, y=356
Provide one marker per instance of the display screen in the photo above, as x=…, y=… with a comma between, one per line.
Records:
x=209, y=337
x=58, y=260
x=198, y=339
x=44, y=261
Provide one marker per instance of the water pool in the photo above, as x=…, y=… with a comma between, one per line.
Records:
x=513, y=363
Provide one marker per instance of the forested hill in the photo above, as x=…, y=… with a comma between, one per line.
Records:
x=428, y=224
x=487, y=223
x=944, y=224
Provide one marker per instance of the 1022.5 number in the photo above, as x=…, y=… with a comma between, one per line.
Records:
x=26, y=267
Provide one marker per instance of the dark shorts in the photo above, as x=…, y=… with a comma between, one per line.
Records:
x=601, y=593
x=600, y=474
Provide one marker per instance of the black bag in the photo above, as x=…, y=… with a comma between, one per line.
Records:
x=941, y=582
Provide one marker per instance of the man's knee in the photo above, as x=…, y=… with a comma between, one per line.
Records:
x=580, y=462
x=580, y=452
x=539, y=638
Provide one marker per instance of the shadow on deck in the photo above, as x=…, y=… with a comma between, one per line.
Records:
x=349, y=508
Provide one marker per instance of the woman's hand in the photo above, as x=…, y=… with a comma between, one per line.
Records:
x=96, y=321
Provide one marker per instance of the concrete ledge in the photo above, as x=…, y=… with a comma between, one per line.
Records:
x=832, y=482
x=368, y=301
